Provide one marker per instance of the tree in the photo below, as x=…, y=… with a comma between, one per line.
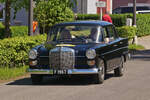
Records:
x=7, y=17
x=17, y=4
x=50, y=12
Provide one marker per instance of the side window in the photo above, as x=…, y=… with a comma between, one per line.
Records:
x=111, y=33
x=105, y=35
x=52, y=36
x=104, y=32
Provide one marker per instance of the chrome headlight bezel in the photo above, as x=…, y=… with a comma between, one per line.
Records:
x=91, y=53
x=33, y=54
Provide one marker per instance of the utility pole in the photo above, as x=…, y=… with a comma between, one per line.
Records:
x=135, y=40
x=134, y=13
x=82, y=12
x=30, y=18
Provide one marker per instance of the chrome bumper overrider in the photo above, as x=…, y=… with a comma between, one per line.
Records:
x=70, y=71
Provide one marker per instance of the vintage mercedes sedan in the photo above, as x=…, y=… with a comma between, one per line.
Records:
x=79, y=48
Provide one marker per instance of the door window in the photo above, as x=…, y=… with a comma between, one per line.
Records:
x=105, y=35
x=111, y=33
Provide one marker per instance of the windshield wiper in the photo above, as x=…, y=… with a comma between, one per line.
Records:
x=66, y=40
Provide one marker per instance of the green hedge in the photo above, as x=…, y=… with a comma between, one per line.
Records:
x=14, y=51
x=15, y=31
x=88, y=17
x=19, y=31
x=143, y=24
x=119, y=20
x=126, y=31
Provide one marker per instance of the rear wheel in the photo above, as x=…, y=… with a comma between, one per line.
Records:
x=36, y=79
x=120, y=70
x=99, y=78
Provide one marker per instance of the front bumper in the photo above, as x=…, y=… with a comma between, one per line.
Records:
x=70, y=71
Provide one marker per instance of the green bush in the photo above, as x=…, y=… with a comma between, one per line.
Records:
x=126, y=31
x=14, y=51
x=19, y=31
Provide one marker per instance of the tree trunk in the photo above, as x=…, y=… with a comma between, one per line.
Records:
x=7, y=18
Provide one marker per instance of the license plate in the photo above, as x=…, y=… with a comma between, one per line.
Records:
x=60, y=72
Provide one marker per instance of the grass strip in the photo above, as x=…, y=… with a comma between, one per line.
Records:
x=136, y=47
x=9, y=73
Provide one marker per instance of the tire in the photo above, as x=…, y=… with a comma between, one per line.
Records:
x=36, y=79
x=99, y=78
x=120, y=70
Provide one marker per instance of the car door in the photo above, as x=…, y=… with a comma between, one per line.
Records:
x=114, y=41
x=110, y=51
x=105, y=50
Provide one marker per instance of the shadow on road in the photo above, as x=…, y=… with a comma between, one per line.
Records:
x=59, y=81
x=143, y=55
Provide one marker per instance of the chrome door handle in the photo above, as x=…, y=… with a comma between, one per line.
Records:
x=121, y=42
x=115, y=45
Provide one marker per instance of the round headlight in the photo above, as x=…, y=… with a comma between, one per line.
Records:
x=90, y=54
x=33, y=54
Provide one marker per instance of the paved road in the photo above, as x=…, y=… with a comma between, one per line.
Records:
x=144, y=41
x=134, y=85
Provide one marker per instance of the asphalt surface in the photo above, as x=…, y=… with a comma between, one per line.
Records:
x=134, y=85
x=144, y=41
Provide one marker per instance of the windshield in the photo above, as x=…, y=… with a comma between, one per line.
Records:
x=74, y=33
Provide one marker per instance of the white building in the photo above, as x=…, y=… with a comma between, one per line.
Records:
x=86, y=6
x=89, y=6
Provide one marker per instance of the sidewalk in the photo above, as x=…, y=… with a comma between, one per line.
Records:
x=145, y=41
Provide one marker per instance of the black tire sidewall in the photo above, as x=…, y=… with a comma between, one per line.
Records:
x=99, y=78
x=120, y=70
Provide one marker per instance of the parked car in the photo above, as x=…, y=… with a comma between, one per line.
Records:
x=143, y=12
x=79, y=48
x=129, y=9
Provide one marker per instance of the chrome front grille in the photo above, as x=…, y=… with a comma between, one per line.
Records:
x=62, y=58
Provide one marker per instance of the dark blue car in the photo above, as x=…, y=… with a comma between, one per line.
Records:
x=79, y=48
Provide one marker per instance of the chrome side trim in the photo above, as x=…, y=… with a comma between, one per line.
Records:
x=115, y=50
x=70, y=71
x=43, y=56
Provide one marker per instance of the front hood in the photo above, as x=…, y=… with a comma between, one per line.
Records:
x=81, y=46
x=80, y=49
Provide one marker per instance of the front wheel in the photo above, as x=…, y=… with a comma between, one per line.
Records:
x=120, y=70
x=99, y=78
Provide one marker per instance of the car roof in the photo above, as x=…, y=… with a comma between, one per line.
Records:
x=100, y=23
